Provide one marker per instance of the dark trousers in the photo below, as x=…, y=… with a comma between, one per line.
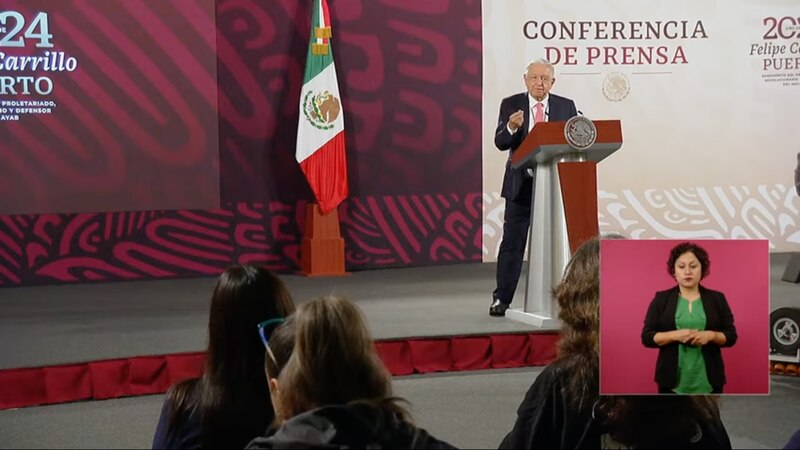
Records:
x=516, y=221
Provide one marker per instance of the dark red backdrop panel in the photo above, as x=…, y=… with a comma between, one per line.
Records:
x=410, y=79
x=133, y=125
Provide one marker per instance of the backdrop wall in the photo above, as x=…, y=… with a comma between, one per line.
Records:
x=82, y=201
x=705, y=92
x=410, y=79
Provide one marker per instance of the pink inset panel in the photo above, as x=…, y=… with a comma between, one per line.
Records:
x=631, y=271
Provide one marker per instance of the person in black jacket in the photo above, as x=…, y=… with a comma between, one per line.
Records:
x=228, y=405
x=334, y=391
x=689, y=324
x=563, y=408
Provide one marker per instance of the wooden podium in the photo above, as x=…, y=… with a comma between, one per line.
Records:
x=563, y=209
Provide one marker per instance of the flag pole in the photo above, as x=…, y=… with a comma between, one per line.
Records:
x=321, y=151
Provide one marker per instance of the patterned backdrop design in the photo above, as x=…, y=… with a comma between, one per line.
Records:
x=132, y=127
x=722, y=212
x=410, y=78
x=386, y=231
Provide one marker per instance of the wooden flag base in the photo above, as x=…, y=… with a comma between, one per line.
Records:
x=322, y=247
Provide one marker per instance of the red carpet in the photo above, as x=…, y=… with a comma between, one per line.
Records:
x=142, y=375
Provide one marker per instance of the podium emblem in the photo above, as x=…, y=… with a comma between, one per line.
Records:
x=580, y=132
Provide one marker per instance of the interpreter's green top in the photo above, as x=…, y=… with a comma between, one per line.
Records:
x=692, y=377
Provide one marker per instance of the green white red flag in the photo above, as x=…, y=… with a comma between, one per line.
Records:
x=320, y=132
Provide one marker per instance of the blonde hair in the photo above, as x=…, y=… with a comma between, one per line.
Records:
x=334, y=360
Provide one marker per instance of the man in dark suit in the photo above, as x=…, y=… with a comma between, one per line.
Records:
x=518, y=115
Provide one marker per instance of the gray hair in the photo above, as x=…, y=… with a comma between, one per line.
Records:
x=541, y=61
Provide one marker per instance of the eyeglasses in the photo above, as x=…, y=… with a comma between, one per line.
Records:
x=262, y=326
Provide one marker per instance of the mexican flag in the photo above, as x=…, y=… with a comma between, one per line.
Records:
x=320, y=133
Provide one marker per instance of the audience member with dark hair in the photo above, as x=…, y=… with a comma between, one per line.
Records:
x=334, y=391
x=563, y=408
x=689, y=324
x=229, y=404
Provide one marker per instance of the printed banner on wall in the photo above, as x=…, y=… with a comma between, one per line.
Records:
x=705, y=92
x=410, y=79
x=108, y=106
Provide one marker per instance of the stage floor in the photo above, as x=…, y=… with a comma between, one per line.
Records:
x=78, y=323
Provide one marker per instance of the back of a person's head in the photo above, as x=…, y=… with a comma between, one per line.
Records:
x=334, y=361
x=234, y=400
x=244, y=296
x=578, y=297
x=665, y=421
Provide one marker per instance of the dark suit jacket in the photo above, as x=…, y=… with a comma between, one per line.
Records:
x=661, y=317
x=517, y=186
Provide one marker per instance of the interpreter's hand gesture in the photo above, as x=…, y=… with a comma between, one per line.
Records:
x=701, y=338
x=683, y=335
